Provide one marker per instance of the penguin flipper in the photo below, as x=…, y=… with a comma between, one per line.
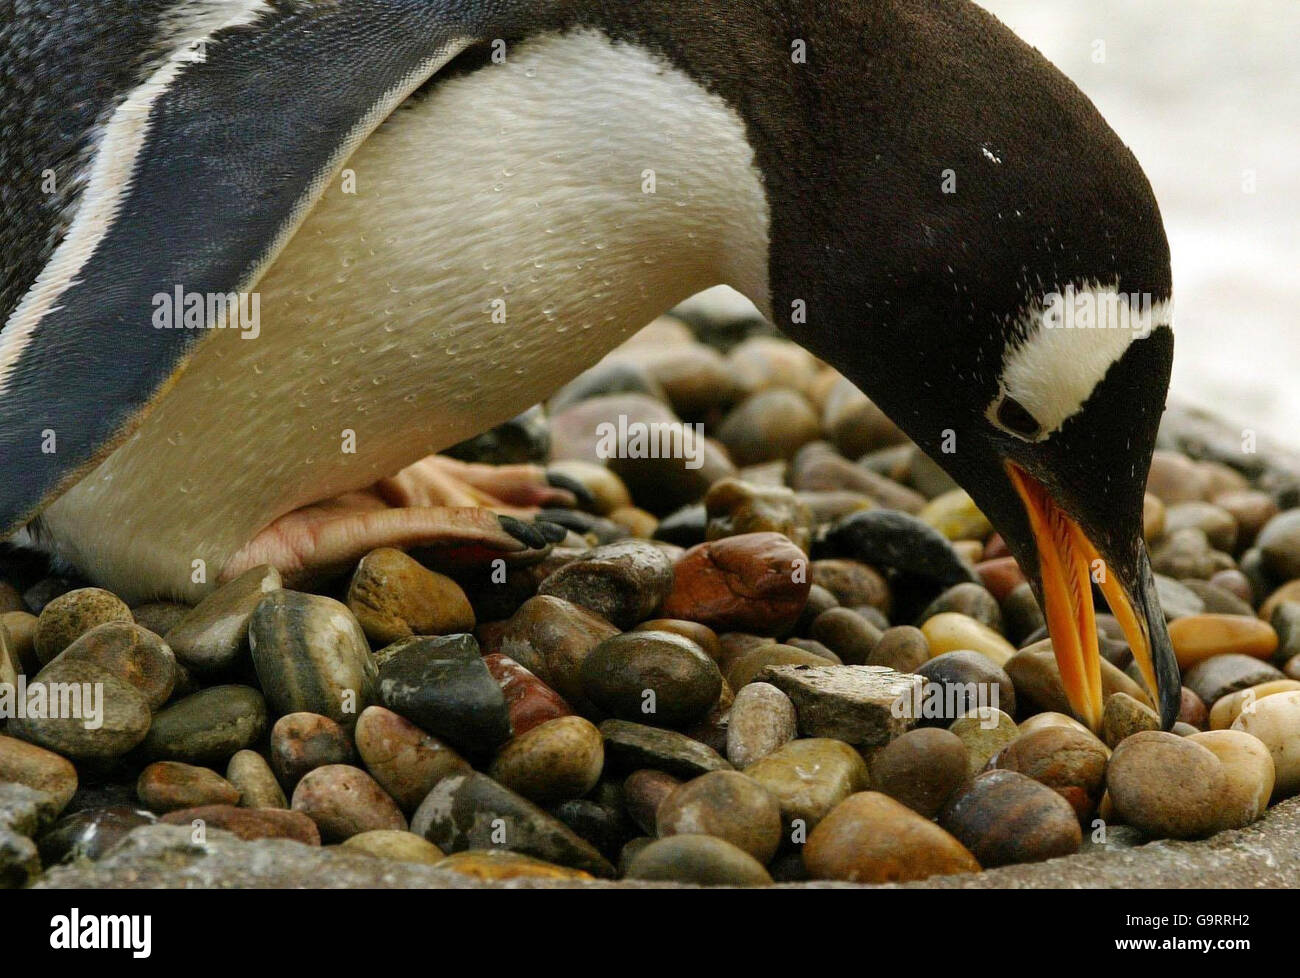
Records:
x=202, y=176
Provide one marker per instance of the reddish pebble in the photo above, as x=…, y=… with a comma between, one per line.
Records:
x=530, y=701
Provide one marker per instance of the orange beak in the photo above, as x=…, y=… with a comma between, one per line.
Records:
x=1069, y=565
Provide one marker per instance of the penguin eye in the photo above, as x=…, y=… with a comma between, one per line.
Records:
x=1013, y=416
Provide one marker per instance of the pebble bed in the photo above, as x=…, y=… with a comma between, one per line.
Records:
x=700, y=682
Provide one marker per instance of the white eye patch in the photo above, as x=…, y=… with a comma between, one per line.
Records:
x=1063, y=346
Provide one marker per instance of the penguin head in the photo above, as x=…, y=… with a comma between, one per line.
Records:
x=991, y=268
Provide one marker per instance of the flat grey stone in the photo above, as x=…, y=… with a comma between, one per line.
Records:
x=854, y=704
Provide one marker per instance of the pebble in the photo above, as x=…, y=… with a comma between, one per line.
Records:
x=756, y=582
x=250, y=824
x=1276, y=722
x=1220, y=675
x=643, y=792
x=1167, y=786
x=1176, y=478
x=852, y=583
x=950, y=631
x=471, y=811
x=22, y=640
x=442, y=686
x=71, y=615
x=1217, y=600
x=897, y=540
x=1235, y=583
x=969, y=600
x=855, y=704
x=208, y=727
x=135, y=655
x=856, y=424
x=499, y=865
x=958, y=682
x=551, y=637
x=768, y=425
x=610, y=376
x=1066, y=758
x=1287, y=593
x=695, y=378
x=762, y=721
x=90, y=833
x=406, y=761
x=1228, y=708
x=1037, y=678
x=394, y=844
x=253, y=778
x=651, y=677
x=606, y=491
x=311, y=656
x=764, y=362
x=703, y=636
x=214, y=636
x=160, y=617
x=554, y=762
x=872, y=838
x=727, y=805
x=903, y=648
x=529, y=701
x=1198, y=637
x=1218, y=525
x=302, y=742
x=1279, y=545
x=1286, y=622
x=1187, y=553
x=1123, y=716
x=629, y=746
x=393, y=597
x=344, y=801
x=621, y=582
x=39, y=769
x=735, y=508
x=702, y=860
x=124, y=722
x=955, y=515
x=1248, y=772
x=809, y=778
x=1005, y=817
x=1192, y=709
x=819, y=468
x=921, y=769
x=166, y=786
x=984, y=731
x=846, y=633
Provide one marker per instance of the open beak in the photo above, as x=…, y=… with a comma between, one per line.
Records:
x=1068, y=566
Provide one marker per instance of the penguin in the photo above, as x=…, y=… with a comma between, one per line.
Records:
x=262, y=258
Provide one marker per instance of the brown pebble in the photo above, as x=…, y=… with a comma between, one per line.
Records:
x=166, y=786
x=344, y=801
x=301, y=742
x=921, y=769
x=71, y=615
x=1006, y=817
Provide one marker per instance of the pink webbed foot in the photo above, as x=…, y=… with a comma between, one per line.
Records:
x=445, y=508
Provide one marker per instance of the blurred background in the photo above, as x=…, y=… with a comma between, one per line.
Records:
x=1207, y=94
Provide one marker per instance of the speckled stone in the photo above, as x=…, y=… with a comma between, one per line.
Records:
x=871, y=838
x=214, y=636
x=554, y=762
x=621, y=582
x=208, y=727
x=302, y=742
x=809, y=778
x=406, y=761
x=253, y=778
x=39, y=769
x=344, y=801
x=762, y=720
x=165, y=786
x=71, y=615
x=393, y=597
x=855, y=704
x=728, y=805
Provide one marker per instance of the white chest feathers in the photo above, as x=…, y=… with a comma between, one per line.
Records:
x=493, y=238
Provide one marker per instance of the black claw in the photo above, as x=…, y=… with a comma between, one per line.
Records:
x=526, y=533
x=553, y=532
x=585, y=497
